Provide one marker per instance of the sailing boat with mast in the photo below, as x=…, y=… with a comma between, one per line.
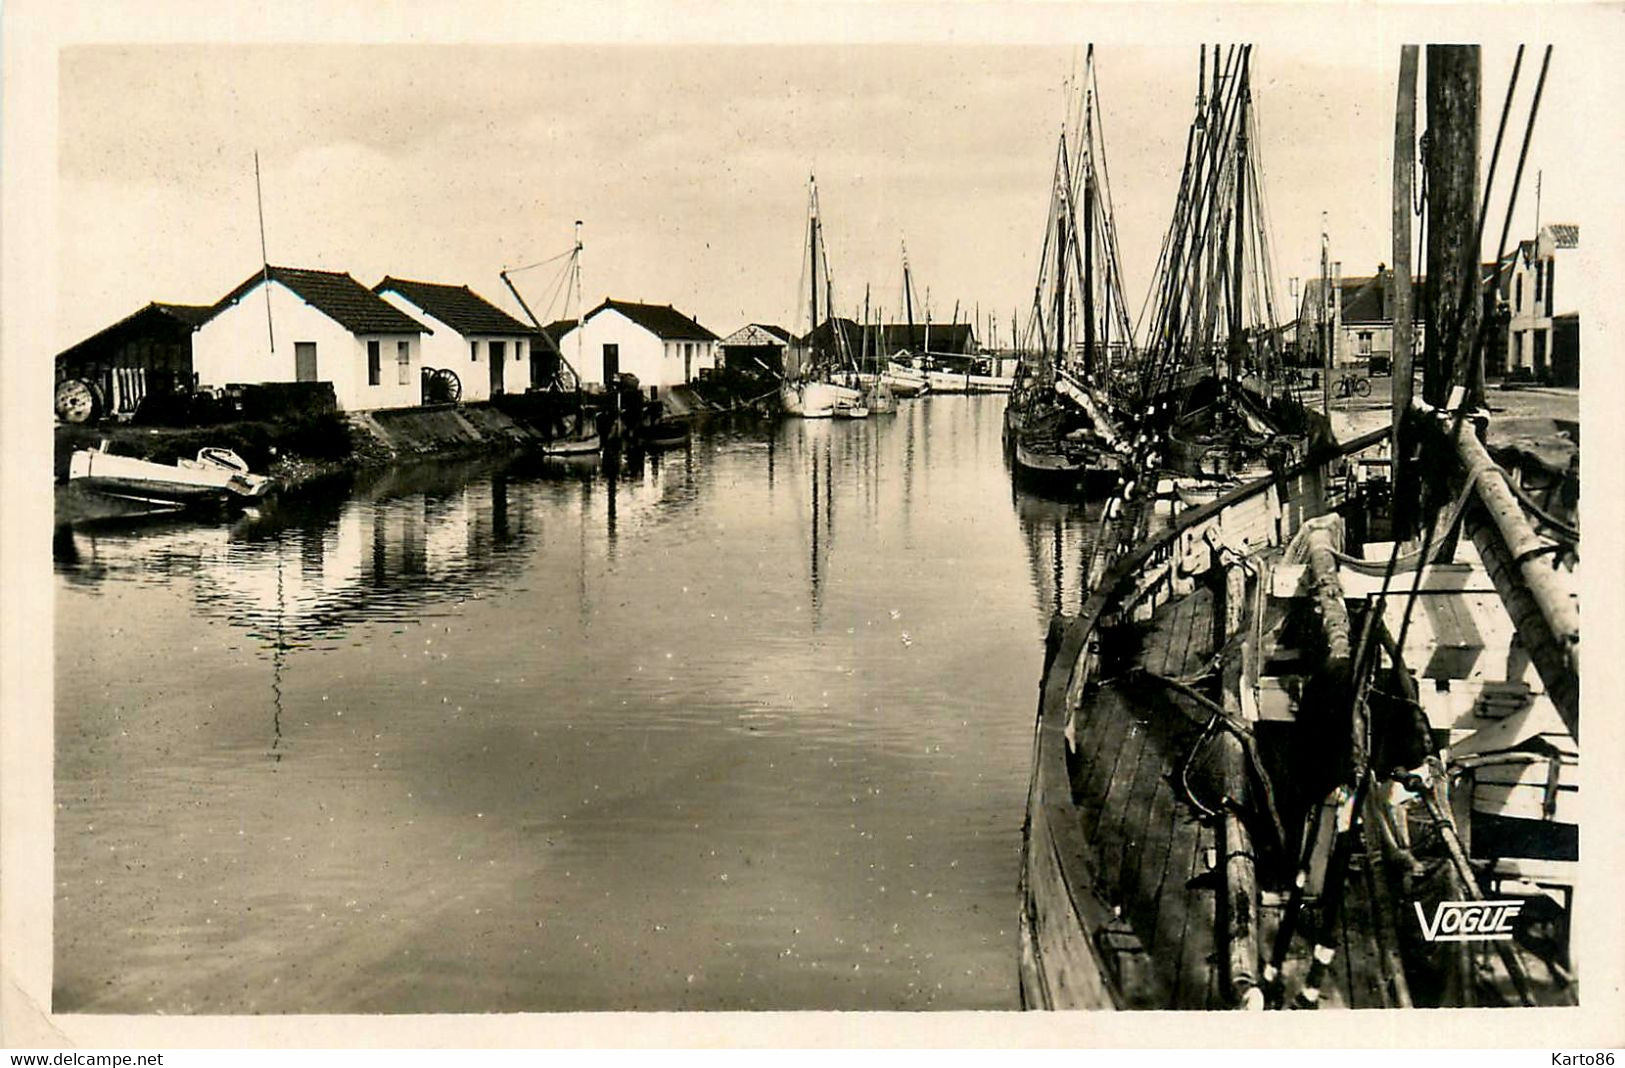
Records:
x=1297, y=733
x=811, y=392
x=1058, y=422
x=1209, y=377
x=902, y=371
x=878, y=395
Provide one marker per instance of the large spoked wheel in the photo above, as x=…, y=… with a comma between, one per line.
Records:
x=1362, y=387
x=448, y=385
x=77, y=401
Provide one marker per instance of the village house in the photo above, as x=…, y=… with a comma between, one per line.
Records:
x=324, y=326
x=1543, y=336
x=660, y=345
x=1360, y=317
x=147, y=352
x=489, y=350
x=756, y=348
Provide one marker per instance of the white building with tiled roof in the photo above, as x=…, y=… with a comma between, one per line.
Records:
x=1543, y=335
x=319, y=326
x=489, y=350
x=656, y=342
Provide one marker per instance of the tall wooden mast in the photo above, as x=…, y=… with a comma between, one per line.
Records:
x=1404, y=316
x=1453, y=239
x=1237, y=284
x=812, y=271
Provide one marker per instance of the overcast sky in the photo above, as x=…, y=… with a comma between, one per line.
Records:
x=688, y=165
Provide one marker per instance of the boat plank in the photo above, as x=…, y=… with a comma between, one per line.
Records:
x=1102, y=761
x=1109, y=836
x=1095, y=717
x=1067, y=973
x=1196, y=945
x=1161, y=844
x=1143, y=836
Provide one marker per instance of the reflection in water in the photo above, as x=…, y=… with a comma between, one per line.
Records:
x=545, y=736
x=1060, y=538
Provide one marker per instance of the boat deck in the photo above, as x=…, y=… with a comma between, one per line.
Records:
x=1150, y=853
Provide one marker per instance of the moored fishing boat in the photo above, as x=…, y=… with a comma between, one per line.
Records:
x=1058, y=426
x=904, y=380
x=589, y=445
x=1299, y=731
x=812, y=392
x=1211, y=345
x=943, y=380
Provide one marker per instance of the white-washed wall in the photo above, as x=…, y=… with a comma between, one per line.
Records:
x=641, y=352
x=469, y=355
x=234, y=347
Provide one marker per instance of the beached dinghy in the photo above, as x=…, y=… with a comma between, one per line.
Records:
x=215, y=475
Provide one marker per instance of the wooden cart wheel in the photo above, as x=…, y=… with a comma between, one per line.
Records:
x=77, y=402
x=451, y=387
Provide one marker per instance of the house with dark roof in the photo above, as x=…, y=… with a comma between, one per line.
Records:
x=146, y=352
x=1543, y=335
x=489, y=350
x=1357, y=313
x=956, y=339
x=656, y=342
x=289, y=324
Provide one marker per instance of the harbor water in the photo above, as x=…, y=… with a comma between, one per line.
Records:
x=747, y=726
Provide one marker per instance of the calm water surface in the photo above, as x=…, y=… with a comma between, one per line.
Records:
x=746, y=728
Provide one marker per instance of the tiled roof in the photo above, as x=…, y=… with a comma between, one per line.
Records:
x=336, y=295
x=555, y=330
x=661, y=320
x=1363, y=300
x=155, y=319
x=192, y=314
x=892, y=337
x=1567, y=235
x=457, y=306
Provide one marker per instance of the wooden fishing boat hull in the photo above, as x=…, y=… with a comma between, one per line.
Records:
x=904, y=381
x=879, y=399
x=1137, y=894
x=954, y=382
x=1093, y=471
x=666, y=439
x=1123, y=869
x=663, y=433
x=816, y=400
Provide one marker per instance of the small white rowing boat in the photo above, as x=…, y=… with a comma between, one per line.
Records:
x=216, y=474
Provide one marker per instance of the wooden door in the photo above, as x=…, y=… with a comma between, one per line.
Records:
x=497, y=353
x=304, y=361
